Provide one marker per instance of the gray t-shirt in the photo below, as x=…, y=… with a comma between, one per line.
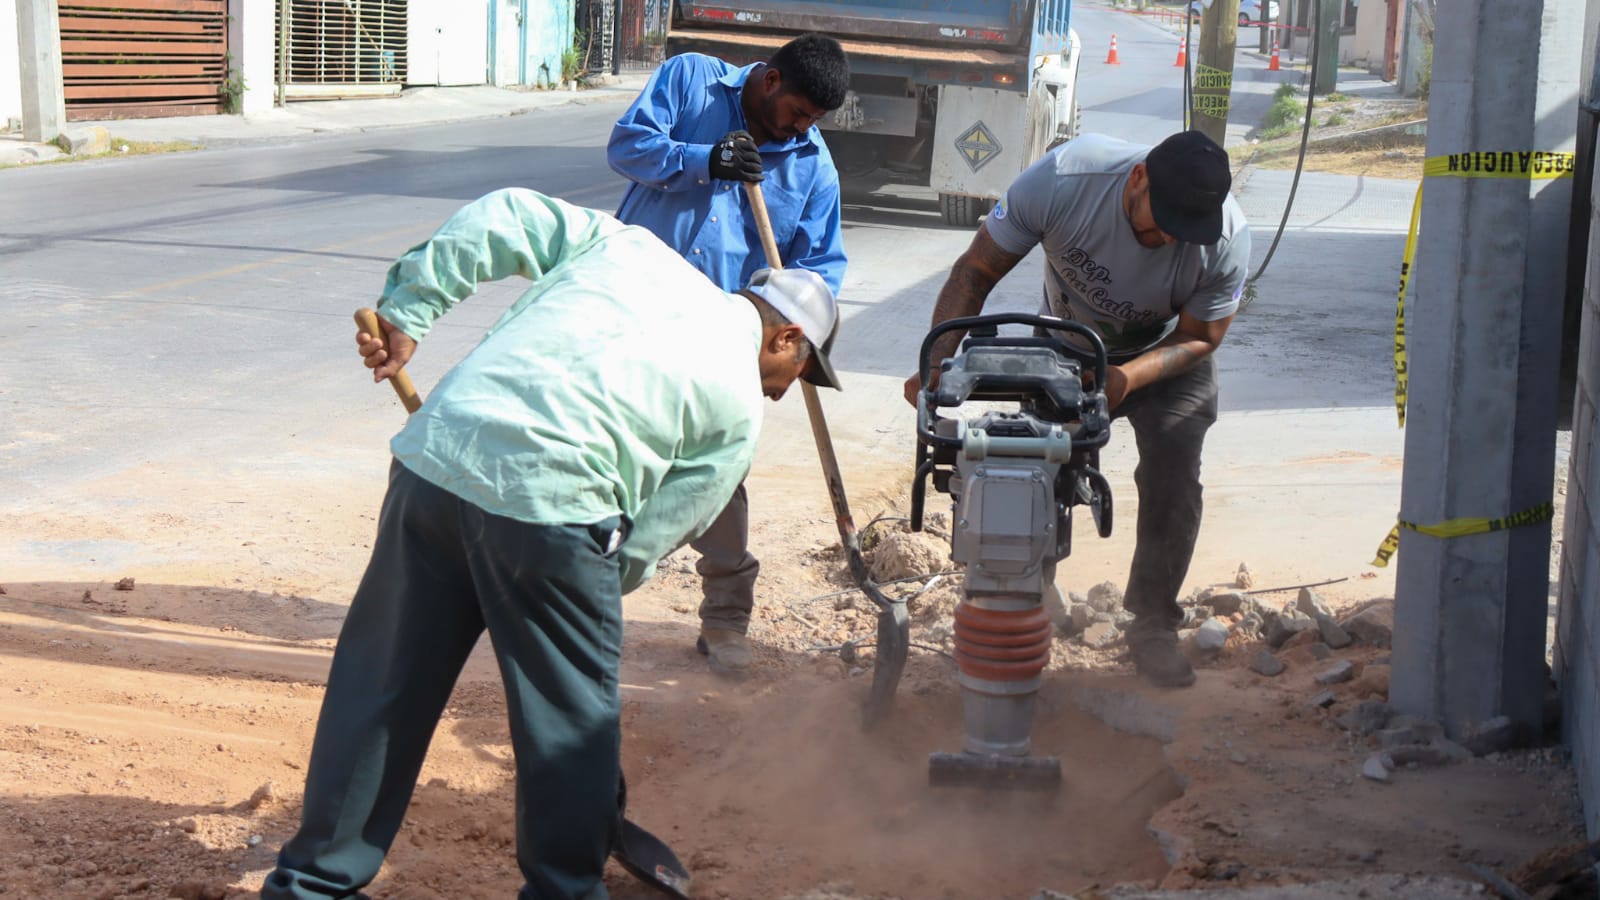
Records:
x=1097, y=272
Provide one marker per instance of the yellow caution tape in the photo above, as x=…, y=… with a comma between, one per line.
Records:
x=1454, y=528
x=1524, y=164
x=1402, y=374
x=1212, y=89
x=1531, y=164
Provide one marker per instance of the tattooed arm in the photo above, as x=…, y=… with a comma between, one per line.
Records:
x=971, y=279
x=1192, y=341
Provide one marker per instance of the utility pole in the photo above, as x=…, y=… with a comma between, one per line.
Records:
x=1413, y=47
x=1329, y=24
x=44, y=101
x=1484, y=331
x=1213, y=77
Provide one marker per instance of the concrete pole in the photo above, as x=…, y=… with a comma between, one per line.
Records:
x=1484, y=331
x=1412, y=49
x=1329, y=25
x=1213, y=77
x=44, y=99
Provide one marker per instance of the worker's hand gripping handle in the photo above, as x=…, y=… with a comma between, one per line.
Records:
x=367, y=320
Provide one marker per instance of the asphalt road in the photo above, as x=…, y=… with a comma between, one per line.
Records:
x=161, y=310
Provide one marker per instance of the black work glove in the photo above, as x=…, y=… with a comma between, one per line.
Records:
x=735, y=158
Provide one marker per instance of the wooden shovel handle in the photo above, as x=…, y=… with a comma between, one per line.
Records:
x=367, y=320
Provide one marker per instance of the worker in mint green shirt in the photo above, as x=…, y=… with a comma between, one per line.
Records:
x=602, y=422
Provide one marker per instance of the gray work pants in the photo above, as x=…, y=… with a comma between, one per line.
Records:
x=1170, y=419
x=727, y=569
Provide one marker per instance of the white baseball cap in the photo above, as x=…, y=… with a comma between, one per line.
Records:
x=803, y=298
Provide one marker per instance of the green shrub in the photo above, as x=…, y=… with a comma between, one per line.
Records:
x=1286, y=112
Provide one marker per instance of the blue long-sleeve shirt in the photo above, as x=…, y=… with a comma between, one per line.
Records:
x=663, y=145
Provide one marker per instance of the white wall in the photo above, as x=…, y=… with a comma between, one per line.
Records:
x=10, y=64
x=252, y=43
x=447, y=42
x=1365, y=47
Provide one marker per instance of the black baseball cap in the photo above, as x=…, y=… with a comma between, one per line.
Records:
x=1189, y=180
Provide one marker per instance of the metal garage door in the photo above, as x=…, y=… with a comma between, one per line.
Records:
x=340, y=48
x=123, y=59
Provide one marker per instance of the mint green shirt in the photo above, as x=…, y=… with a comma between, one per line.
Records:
x=623, y=382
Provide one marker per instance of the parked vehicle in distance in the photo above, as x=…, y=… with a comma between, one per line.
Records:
x=1249, y=10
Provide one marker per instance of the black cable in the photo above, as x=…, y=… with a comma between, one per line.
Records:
x=1305, y=138
x=1188, y=69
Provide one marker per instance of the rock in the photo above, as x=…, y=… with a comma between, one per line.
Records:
x=1082, y=617
x=1309, y=604
x=1212, y=636
x=1279, y=628
x=1493, y=736
x=1264, y=663
x=1338, y=672
x=1056, y=606
x=1323, y=699
x=1105, y=596
x=1201, y=613
x=1228, y=603
x=1368, y=717
x=907, y=553
x=1377, y=767
x=84, y=140
x=1373, y=625
x=1318, y=649
x=1332, y=634
x=1245, y=579
x=1122, y=618
x=125, y=584
x=1308, y=638
x=263, y=795
x=1251, y=624
x=1408, y=730
x=1101, y=635
x=1373, y=681
x=1435, y=754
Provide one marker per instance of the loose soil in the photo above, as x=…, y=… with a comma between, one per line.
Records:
x=154, y=738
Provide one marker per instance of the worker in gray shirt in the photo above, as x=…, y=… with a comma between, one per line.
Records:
x=1145, y=246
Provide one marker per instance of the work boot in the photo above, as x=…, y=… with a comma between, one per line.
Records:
x=1157, y=657
x=727, y=652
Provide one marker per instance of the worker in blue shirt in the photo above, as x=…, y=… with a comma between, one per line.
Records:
x=699, y=130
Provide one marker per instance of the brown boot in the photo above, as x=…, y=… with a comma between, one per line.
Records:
x=727, y=652
x=1157, y=657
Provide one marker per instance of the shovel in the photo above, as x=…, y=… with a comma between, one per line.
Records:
x=642, y=854
x=894, y=626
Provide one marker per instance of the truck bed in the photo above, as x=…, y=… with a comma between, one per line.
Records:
x=742, y=43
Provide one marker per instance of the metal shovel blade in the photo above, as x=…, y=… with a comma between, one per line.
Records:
x=647, y=858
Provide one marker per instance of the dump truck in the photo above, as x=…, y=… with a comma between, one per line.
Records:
x=957, y=95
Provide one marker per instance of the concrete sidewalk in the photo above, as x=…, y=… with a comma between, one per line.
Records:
x=307, y=118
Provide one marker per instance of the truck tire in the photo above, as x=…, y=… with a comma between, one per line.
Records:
x=962, y=211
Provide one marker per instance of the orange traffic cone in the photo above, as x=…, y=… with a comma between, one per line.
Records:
x=1272, y=66
x=1183, y=53
x=1111, y=58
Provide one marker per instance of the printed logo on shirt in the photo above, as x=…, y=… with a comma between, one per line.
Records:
x=1088, y=279
x=999, y=211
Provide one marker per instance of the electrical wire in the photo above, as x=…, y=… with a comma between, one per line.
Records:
x=1305, y=138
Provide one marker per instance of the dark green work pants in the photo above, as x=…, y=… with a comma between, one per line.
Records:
x=442, y=571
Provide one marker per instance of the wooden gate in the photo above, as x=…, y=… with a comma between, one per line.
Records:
x=129, y=59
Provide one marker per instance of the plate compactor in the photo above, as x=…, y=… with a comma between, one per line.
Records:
x=1014, y=468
